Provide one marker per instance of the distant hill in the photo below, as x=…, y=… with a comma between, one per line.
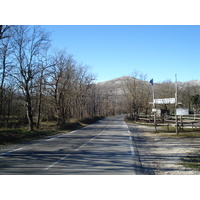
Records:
x=119, y=95
x=195, y=82
x=116, y=81
x=115, y=85
x=119, y=81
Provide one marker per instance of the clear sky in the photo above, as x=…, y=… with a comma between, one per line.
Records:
x=160, y=51
x=114, y=51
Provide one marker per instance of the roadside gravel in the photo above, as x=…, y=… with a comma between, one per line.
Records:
x=160, y=154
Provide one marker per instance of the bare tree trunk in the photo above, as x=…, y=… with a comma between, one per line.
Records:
x=40, y=98
x=4, y=53
x=29, y=111
x=39, y=111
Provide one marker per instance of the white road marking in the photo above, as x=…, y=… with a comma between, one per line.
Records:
x=131, y=145
x=59, y=136
x=2, y=154
x=52, y=138
x=81, y=146
x=92, y=139
x=73, y=131
x=75, y=149
x=57, y=162
x=132, y=151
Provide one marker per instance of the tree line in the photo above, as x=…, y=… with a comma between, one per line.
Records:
x=36, y=85
x=139, y=97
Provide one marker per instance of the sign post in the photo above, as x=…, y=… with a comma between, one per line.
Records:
x=176, y=104
x=154, y=107
x=181, y=112
x=168, y=101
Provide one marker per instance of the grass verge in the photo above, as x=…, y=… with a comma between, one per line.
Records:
x=192, y=160
x=21, y=135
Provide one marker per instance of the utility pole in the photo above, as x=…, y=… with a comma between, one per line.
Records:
x=176, y=103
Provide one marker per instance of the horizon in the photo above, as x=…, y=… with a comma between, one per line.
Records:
x=146, y=80
x=158, y=51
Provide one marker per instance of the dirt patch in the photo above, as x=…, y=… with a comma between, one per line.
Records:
x=166, y=154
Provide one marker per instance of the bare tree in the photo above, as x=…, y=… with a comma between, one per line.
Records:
x=83, y=86
x=41, y=83
x=28, y=41
x=188, y=94
x=137, y=93
x=60, y=83
x=6, y=51
x=3, y=30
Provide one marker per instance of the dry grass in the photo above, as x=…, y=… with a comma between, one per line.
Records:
x=22, y=134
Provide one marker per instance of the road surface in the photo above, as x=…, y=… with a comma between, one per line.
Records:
x=103, y=148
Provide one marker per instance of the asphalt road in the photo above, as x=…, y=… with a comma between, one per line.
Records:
x=103, y=148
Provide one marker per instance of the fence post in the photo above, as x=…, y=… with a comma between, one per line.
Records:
x=167, y=127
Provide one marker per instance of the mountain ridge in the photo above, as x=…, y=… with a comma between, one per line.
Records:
x=122, y=78
x=125, y=78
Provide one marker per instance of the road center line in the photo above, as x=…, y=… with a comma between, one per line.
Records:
x=76, y=149
x=57, y=162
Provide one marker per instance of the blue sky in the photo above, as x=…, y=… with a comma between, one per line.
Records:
x=160, y=51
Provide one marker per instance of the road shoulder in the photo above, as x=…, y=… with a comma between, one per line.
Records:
x=161, y=155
